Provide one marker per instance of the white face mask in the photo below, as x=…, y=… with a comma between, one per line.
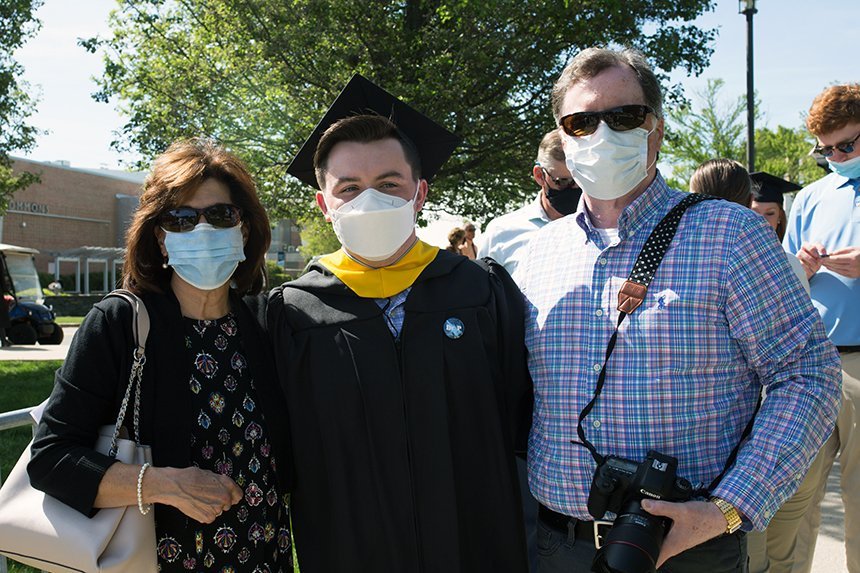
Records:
x=374, y=225
x=608, y=164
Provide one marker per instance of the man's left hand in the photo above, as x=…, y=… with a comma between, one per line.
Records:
x=694, y=523
x=845, y=262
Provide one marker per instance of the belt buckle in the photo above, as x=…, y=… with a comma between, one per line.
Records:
x=598, y=538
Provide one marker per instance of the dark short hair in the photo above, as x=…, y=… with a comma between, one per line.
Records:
x=833, y=109
x=176, y=175
x=362, y=129
x=591, y=62
x=724, y=178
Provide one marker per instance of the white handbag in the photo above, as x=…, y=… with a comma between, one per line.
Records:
x=43, y=532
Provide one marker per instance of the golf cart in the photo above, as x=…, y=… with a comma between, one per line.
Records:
x=31, y=321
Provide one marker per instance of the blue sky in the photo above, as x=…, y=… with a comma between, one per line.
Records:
x=799, y=50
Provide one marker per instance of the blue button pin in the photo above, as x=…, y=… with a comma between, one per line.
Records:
x=454, y=328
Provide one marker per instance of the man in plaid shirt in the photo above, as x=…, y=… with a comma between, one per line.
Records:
x=723, y=318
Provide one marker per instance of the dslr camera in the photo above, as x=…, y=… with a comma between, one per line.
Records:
x=635, y=538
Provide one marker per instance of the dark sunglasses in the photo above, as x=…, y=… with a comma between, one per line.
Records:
x=561, y=183
x=182, y=219
x=622, y=118
x=844, y=147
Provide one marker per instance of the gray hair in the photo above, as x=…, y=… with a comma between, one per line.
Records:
x=592, y=61
x=550, y=149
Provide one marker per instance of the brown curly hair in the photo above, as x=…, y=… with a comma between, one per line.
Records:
x=455, y=237
x=175, y=177
x=833, y=109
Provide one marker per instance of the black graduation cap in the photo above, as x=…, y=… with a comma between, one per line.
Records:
x=767, y=188
x=361, y=96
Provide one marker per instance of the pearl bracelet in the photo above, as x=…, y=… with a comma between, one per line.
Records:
x=144, y=509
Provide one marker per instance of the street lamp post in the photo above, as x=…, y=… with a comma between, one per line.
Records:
x=747, y=7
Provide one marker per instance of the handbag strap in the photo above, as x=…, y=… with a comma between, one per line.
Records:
x=140, y=331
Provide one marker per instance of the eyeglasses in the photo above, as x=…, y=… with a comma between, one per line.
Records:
x=844, y=147
x=622, y=118
x=561, y=183
x=183, y=219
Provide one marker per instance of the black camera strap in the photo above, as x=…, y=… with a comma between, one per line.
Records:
x=631, y=296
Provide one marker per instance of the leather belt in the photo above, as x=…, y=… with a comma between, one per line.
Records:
x=848, y=348
x=593, y=531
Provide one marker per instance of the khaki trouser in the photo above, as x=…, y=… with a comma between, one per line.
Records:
x=772, y=550
x=846, y=443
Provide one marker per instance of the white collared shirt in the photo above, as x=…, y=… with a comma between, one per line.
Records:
x=506, y=238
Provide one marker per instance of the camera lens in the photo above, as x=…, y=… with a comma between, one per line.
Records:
x=633, y=544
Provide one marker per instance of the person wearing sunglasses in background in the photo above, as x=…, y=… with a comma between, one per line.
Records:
x=688, y=365
x=210, y=405
x=824, y=232
x=506, y=238
x=468, y=248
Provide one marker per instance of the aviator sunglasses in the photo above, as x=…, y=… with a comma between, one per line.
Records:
x=561, y=183
x=623, y=118
x=844, y=147
x=183, y=219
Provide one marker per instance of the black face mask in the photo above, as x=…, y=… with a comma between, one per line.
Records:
x=564, y=201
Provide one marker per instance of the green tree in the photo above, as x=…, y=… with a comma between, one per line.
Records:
x=258, y=75
x=784, y=152
x=696, y=133
x=318, y=237
x=17, y=24
x=709, y=128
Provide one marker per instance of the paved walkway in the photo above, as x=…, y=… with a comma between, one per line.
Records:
x=38, y=351
x=829, y=551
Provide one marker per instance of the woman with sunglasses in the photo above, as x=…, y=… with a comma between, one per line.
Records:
x=209, y=405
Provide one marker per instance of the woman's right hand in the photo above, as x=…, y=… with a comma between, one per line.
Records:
x=200, y=494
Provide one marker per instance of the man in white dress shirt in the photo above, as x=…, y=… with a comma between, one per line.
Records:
x=506, y=238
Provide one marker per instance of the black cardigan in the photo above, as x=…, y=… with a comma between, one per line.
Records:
x=89, y=387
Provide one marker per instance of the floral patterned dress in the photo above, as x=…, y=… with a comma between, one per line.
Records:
x=229, y=437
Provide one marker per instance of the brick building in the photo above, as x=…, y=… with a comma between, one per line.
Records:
x=69, y=209
x=77, y=219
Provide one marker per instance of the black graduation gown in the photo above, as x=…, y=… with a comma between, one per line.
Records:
x=404, y=451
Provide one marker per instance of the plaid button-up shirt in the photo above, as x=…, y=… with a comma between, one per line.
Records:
x=723, y=317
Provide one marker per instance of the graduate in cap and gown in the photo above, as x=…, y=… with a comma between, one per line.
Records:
x=767, y=200
x=403, y=365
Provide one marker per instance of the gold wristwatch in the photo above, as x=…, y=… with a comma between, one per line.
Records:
x=733, y=518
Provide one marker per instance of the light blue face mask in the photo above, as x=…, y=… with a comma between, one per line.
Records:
x=849, y=169
x=205, y=257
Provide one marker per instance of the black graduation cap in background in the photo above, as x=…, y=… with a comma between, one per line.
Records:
x=434, y=143
x=767, y=188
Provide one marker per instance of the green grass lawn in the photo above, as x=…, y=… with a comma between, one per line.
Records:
x=22, y=384
x=69, y=320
